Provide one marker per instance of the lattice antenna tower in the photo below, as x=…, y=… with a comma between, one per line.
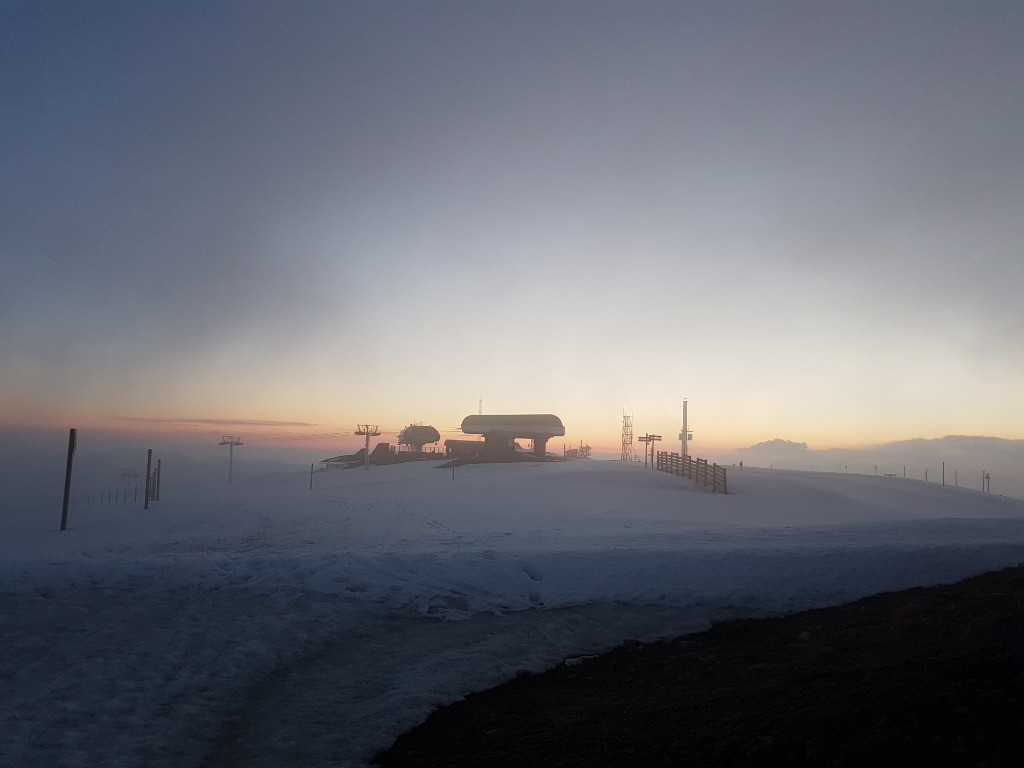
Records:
x=627, y=438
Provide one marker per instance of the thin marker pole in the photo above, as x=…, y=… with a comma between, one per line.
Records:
x=149, y=478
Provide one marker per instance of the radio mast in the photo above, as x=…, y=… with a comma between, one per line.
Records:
x=685, y=435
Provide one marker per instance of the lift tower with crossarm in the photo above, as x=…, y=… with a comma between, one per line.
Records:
x=369, y=431
x=231, y=441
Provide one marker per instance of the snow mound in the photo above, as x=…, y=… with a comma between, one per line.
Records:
x=282, y=625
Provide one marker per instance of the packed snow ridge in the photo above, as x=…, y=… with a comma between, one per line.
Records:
x=271, y=624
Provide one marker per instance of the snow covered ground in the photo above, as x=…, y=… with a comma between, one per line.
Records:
x=268, y=624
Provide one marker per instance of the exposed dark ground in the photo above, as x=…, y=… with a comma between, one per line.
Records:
x=930, y=676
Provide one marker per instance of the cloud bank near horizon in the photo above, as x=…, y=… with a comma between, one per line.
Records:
x=966, y=458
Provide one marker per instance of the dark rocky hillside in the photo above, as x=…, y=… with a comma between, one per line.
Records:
x=930, y=676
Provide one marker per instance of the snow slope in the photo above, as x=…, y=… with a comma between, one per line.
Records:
x=270, y=624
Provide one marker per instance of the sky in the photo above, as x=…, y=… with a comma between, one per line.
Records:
x=283, y=219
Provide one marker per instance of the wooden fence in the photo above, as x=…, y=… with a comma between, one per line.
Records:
x=698, y=470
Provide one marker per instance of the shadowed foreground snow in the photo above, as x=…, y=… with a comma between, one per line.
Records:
x=269, y=624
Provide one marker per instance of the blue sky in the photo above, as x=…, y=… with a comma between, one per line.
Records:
x=805, y=217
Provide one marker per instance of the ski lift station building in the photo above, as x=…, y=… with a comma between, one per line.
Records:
x=501, y=431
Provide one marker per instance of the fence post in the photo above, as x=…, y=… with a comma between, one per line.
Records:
x=697, y=470
x=721, y=472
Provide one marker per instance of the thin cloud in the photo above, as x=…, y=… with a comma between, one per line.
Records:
x=215, y=422
x=778, y=445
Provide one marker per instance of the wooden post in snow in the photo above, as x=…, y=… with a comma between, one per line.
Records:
x=72, y=445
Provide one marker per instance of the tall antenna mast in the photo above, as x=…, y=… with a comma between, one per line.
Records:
x=685, y=435
x=230, y=441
